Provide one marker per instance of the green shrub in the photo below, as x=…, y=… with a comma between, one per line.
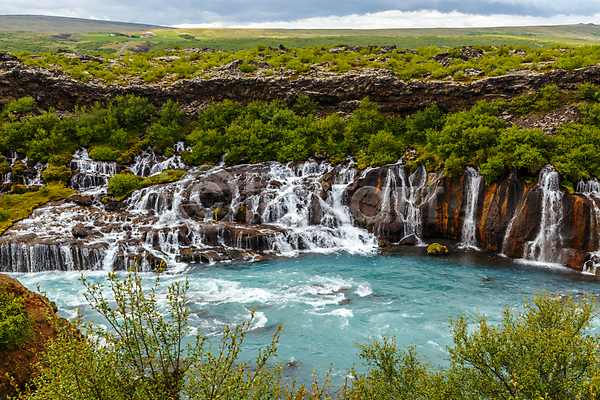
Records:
x=18, y=168
x=247, y=68
x=102, y=153
x=587, y=91
x=15, y=325
x=542, y=350
x=122, y=184
x=56, y=174
x=169, y=151
x=18, y=189
x=20, y=106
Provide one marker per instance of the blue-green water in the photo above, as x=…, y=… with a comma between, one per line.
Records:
x=408, y=295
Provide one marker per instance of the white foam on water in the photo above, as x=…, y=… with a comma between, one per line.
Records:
x=543, y=264
x=260, y=320
x=364, y=289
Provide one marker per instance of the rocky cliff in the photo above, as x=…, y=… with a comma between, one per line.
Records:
x=52, y=88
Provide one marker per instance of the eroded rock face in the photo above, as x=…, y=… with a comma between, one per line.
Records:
x=52, y=88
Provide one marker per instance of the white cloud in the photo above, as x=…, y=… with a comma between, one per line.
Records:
x=407, y=19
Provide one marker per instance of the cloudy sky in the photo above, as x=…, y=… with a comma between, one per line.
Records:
x=319, y=13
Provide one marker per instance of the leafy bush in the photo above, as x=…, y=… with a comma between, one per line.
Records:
x=247, y=68
x=18, y=168
x=144, y=355
x=15, y=325
x=542, y=350
x=20, y=106
x=122, y=184
x=18, y=189
x=56, y=174
x=102, y=153
x=587, y=91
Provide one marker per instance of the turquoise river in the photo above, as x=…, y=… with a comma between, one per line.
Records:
x=328, y=303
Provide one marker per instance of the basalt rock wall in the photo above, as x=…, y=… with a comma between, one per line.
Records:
x=534, y=221
x=52, y=88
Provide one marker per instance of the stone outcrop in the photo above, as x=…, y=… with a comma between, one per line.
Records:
x=18, y=363
x=52, y=88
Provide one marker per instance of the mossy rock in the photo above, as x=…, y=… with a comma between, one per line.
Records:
x=18, y=189
x=60, y=174
x=436, y=249
x=19, y=168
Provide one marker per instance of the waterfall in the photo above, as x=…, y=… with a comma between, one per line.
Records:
x=590, y=187
x=591, y=190
x=469, y=229
x=148, y=163
x=212, y=214
x=312, y=223
x=90, y=176
x=545, y=246
x=402, y=196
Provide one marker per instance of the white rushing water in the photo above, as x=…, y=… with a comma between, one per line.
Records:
x=147, y=163
x=402, y=196
x=91, y=176
x=290, y=209
x=544, y=247
x=591, y=190
x=469, y=229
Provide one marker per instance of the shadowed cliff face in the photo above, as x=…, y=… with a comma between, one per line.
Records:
x=538, y=221
x=52, y=88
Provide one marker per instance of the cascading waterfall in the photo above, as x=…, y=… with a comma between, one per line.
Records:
x=288, y=209
x=402, y=197
x=290, y=206
x=591, y=190
x=90, y=176
x=469, y=229
x=544, y=247
x=148, y=163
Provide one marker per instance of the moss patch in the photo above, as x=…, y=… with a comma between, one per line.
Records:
x=436, y=249
x=15, y=207
x=121, y=185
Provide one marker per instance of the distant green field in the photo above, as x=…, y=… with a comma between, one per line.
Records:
x=91, y=36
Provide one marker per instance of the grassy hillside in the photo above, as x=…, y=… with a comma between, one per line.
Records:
x=57, y=25
x=92, y=36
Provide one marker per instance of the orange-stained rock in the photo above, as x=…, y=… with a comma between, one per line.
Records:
x=575, y=258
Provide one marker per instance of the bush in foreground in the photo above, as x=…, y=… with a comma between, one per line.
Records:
x=543, y=350
x=15, y=326
x=149, y=353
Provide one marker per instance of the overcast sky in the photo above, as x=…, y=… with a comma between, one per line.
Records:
x=319, y=13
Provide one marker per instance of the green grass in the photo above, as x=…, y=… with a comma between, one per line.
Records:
x=15, y=207
x=123, y=184
x=92, y=36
